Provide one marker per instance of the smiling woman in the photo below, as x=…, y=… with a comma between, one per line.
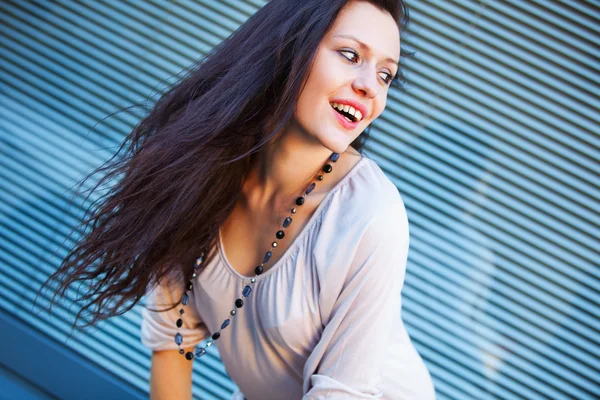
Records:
x=353, y=66
x=245, y=198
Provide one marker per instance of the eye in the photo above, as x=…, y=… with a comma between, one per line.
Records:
x=388, y=80
x=351, y=52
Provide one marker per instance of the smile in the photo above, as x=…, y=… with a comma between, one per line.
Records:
x=349, y=112
x=344, y=119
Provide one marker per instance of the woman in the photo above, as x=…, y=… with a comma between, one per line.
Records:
x=259, y=149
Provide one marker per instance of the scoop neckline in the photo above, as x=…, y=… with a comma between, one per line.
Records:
x=298, y=238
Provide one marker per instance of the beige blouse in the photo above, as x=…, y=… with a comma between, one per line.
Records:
x=324, y=322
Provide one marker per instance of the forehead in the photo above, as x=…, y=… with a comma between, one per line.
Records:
x=372, y=26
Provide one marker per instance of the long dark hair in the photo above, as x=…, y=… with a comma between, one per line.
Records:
x=183, y=165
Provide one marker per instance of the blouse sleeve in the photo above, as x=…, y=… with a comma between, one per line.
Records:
x=356, y=335
x=158, y=329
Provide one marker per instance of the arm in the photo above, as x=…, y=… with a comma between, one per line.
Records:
x=170, y=373
x=352, y=348
x=170, y=376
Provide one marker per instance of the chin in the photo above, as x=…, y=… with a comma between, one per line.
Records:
x=337, y=147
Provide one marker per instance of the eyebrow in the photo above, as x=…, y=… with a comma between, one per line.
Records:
x=390, y=59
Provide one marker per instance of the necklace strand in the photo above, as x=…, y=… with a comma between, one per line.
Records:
x=200, y=351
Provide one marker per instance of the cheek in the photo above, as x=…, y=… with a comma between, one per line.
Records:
x=327, y=73
x=319, y=87
x=305, y=108
x=378, y=108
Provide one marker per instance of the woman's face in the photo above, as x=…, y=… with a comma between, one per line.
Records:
x=348, y=73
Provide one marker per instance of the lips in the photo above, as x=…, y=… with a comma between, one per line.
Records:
x=357, y=106
x=343, y=121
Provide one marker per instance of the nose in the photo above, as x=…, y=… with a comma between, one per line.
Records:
x=366, y=83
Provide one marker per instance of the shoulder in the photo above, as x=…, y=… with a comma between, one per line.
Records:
x=378, y=209
x=363, y=233
x=366, y=209
x=368, y=197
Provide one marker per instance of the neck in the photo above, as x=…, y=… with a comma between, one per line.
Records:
x=283, y=170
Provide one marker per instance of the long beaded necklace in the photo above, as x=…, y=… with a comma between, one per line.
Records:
x=200, y=351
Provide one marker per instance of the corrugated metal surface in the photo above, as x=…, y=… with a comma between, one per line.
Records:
x=494, y=149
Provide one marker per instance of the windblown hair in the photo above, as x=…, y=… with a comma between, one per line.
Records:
x=183, y=165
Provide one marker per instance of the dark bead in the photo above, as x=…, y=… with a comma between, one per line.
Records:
x=181, y=312
x=189, y=355
x=239, y=303
x=300, y=201
x=179, y=322
x=200, y=352
x=267, y=256
x=190, y=285
x=247, y=291
x=216, y=336
x=310, y=188
x=280, y=234
x=258, y=270
x=327, y=168
x=287, y=222
x=181, y=351
x=178, y=339
x=185, y=299
x=334, y=157
x=320, y=177
x=225, y=323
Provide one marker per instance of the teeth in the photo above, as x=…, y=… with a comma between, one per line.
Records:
x=349, y=109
